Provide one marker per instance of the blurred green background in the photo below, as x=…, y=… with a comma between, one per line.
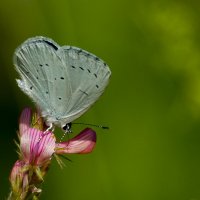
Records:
x=152, y=105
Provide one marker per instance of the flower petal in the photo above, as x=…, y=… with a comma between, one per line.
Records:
x=24, y=121
x=82, y=143
x=37, y=147
x=46, y=147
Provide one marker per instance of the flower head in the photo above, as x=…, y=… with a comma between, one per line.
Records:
x=37, y=148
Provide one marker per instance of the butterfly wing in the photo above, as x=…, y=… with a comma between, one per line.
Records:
x=89, y=76
x=40, y=65
x=63, y=81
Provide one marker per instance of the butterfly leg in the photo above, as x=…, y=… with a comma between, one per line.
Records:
x=50, y=128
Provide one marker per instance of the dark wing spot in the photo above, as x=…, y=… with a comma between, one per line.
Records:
x=59, y=98
x=36, y=77
x=73, y=66
x=96, y=58
x=51, y=44
x=47, y=65
x=40, y=65
x=104, y=64
x=55, y=78
x=95, y=75
x=89, y=71
x=31, y=87
x=62, y=78
x=47, y=92
x=81, y=68
x=80, y=50
x=97, y=86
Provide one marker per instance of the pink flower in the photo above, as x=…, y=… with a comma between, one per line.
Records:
x=38, y=147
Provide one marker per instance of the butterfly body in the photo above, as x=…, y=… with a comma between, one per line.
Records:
x=63, y=81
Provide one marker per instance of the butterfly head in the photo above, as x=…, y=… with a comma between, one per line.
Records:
x=67, y=127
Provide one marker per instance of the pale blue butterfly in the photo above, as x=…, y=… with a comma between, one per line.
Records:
x=63, y=81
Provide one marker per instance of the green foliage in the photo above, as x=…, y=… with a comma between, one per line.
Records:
x=152, y=105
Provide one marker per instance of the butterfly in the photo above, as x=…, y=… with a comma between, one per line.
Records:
x=63, y=81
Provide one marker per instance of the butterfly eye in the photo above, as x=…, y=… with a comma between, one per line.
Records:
x=67, y=127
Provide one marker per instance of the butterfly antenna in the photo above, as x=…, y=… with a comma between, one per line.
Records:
x=99, y=126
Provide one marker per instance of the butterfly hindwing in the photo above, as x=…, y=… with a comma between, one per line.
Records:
x=89, y=76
